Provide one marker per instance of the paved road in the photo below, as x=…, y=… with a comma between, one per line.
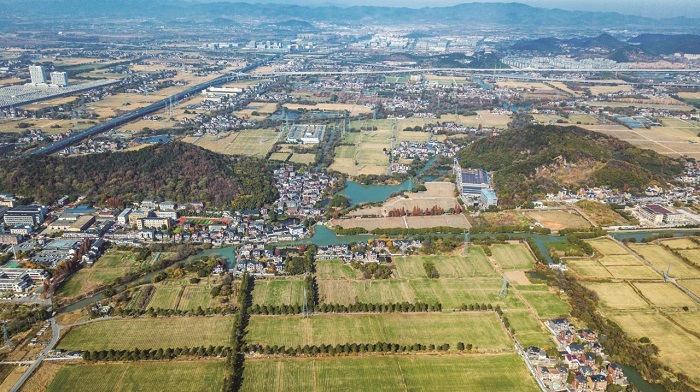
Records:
x=54, y=340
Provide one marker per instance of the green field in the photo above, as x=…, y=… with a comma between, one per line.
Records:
x=112, y=265
x=547, y=305
x=335, y=269
x=505, y=372
x=451, y=293
x=165, y=297
x=140, y=376
x=475, y=264
x=142, y=333
x=482, y=329
x=278, y=292
x=512, y=256
x=194, y=297
x=529, y=331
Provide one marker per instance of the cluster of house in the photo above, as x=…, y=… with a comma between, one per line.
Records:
x=300, y=194
x=584, y=367
x=422, y=151
x=258, y=261
x=377, y=250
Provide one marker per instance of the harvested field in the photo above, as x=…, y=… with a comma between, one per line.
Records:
x=419, y=373
x=607, y=247
x=589, y=269
x=517, y=277
x=633, y=272
x=557, y=220
x=513, y=256
x=547, y=305
x=278, y=291
x=335, y=269
x=252, y=142
x=148, y=333
x=529, y=331
x=665, y=295
x=662, y=258
x=306, y=159
x=618, y=296
x=479, y=328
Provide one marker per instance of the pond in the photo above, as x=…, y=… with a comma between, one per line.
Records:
x=636, y=379
x=358, y=193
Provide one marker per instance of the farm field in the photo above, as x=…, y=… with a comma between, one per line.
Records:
x=692, y=285
x=680, y=243
x=106, y=269
x=589, y=269
x=140, y=376
x=528, y=330
x=355, y=110
x=194, y=297
x=165, y=297
x=662, y=258
x=278, y=292
x=618, y=296
x=252, y=142
x=557, y=220
x=124, y=334
x=482, y=329
x=306, y=159
x=665, y=295
x=672, y=139
x=335, y=269
x=413, y=222
x=47, y=126
x=513, y=256
x=677, y=348
x=607, y=247
x=367, y=155
x=451, y=293
x=547, y=305
x=414, y=372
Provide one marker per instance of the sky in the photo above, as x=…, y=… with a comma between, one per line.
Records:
x=648, y=8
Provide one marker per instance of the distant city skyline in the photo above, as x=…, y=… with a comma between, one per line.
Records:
x=647, y=8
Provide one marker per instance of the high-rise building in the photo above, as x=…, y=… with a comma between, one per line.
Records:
x=59, y=78
x=37, y=74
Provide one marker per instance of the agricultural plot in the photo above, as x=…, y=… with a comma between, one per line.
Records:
x=557, y=219
x=348, y=292
x=278, y=292
x=606, y=246
x=472, y=265
x=305, y=159
x=505, y=372
x=618, y=296
x=109, y=267
x=692, y=285
x=194, y=297
x=619, y=260
x=279, y=156
x=633, y=272
x=409, y=267
x=662, y=259
x=677, y=348
x=252, y=142
x=165, y=297
x=528, y=330
x=590, y=269
x=680, y=243
x=335, y=269
x=513, y=256
x=145, y=333
x=547, y=305
x=601, y=213
x=665, y=295
x=367, y=156
x=452, y=293
x=140, y=376
x=691, y=254
x=482, y=329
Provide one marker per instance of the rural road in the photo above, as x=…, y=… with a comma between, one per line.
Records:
x=56, y=329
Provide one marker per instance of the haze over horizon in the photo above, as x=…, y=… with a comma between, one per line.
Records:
x=646, y=8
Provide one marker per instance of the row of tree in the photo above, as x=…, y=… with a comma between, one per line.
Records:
x=161, y=312
x=358, y=307
x=234, y=359
x=351, y=348
x=154, y=354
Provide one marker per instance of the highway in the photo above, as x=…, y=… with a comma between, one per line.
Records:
x=133, y=115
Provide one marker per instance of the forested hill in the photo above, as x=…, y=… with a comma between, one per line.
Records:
x=540, y=159
x=173, y=171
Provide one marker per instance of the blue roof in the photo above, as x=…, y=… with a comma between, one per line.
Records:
x=488, y=193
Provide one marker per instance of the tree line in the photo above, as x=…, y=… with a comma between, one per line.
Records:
x=358, y=307
x=234, y=359
x=351, y=348
x=154, y=354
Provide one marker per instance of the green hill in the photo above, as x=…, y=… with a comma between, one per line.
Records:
x=540, y=159
x=173, y=171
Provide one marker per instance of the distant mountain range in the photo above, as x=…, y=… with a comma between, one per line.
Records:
x=644, y=44
x=467, y=14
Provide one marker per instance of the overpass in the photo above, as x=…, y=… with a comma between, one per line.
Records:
x=135, y=114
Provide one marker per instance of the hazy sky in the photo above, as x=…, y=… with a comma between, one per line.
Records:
x=650, y=8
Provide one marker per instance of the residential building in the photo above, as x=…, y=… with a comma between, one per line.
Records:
x=36, y=72
x=10, y=239
x=59, y=79
x=154, y=223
